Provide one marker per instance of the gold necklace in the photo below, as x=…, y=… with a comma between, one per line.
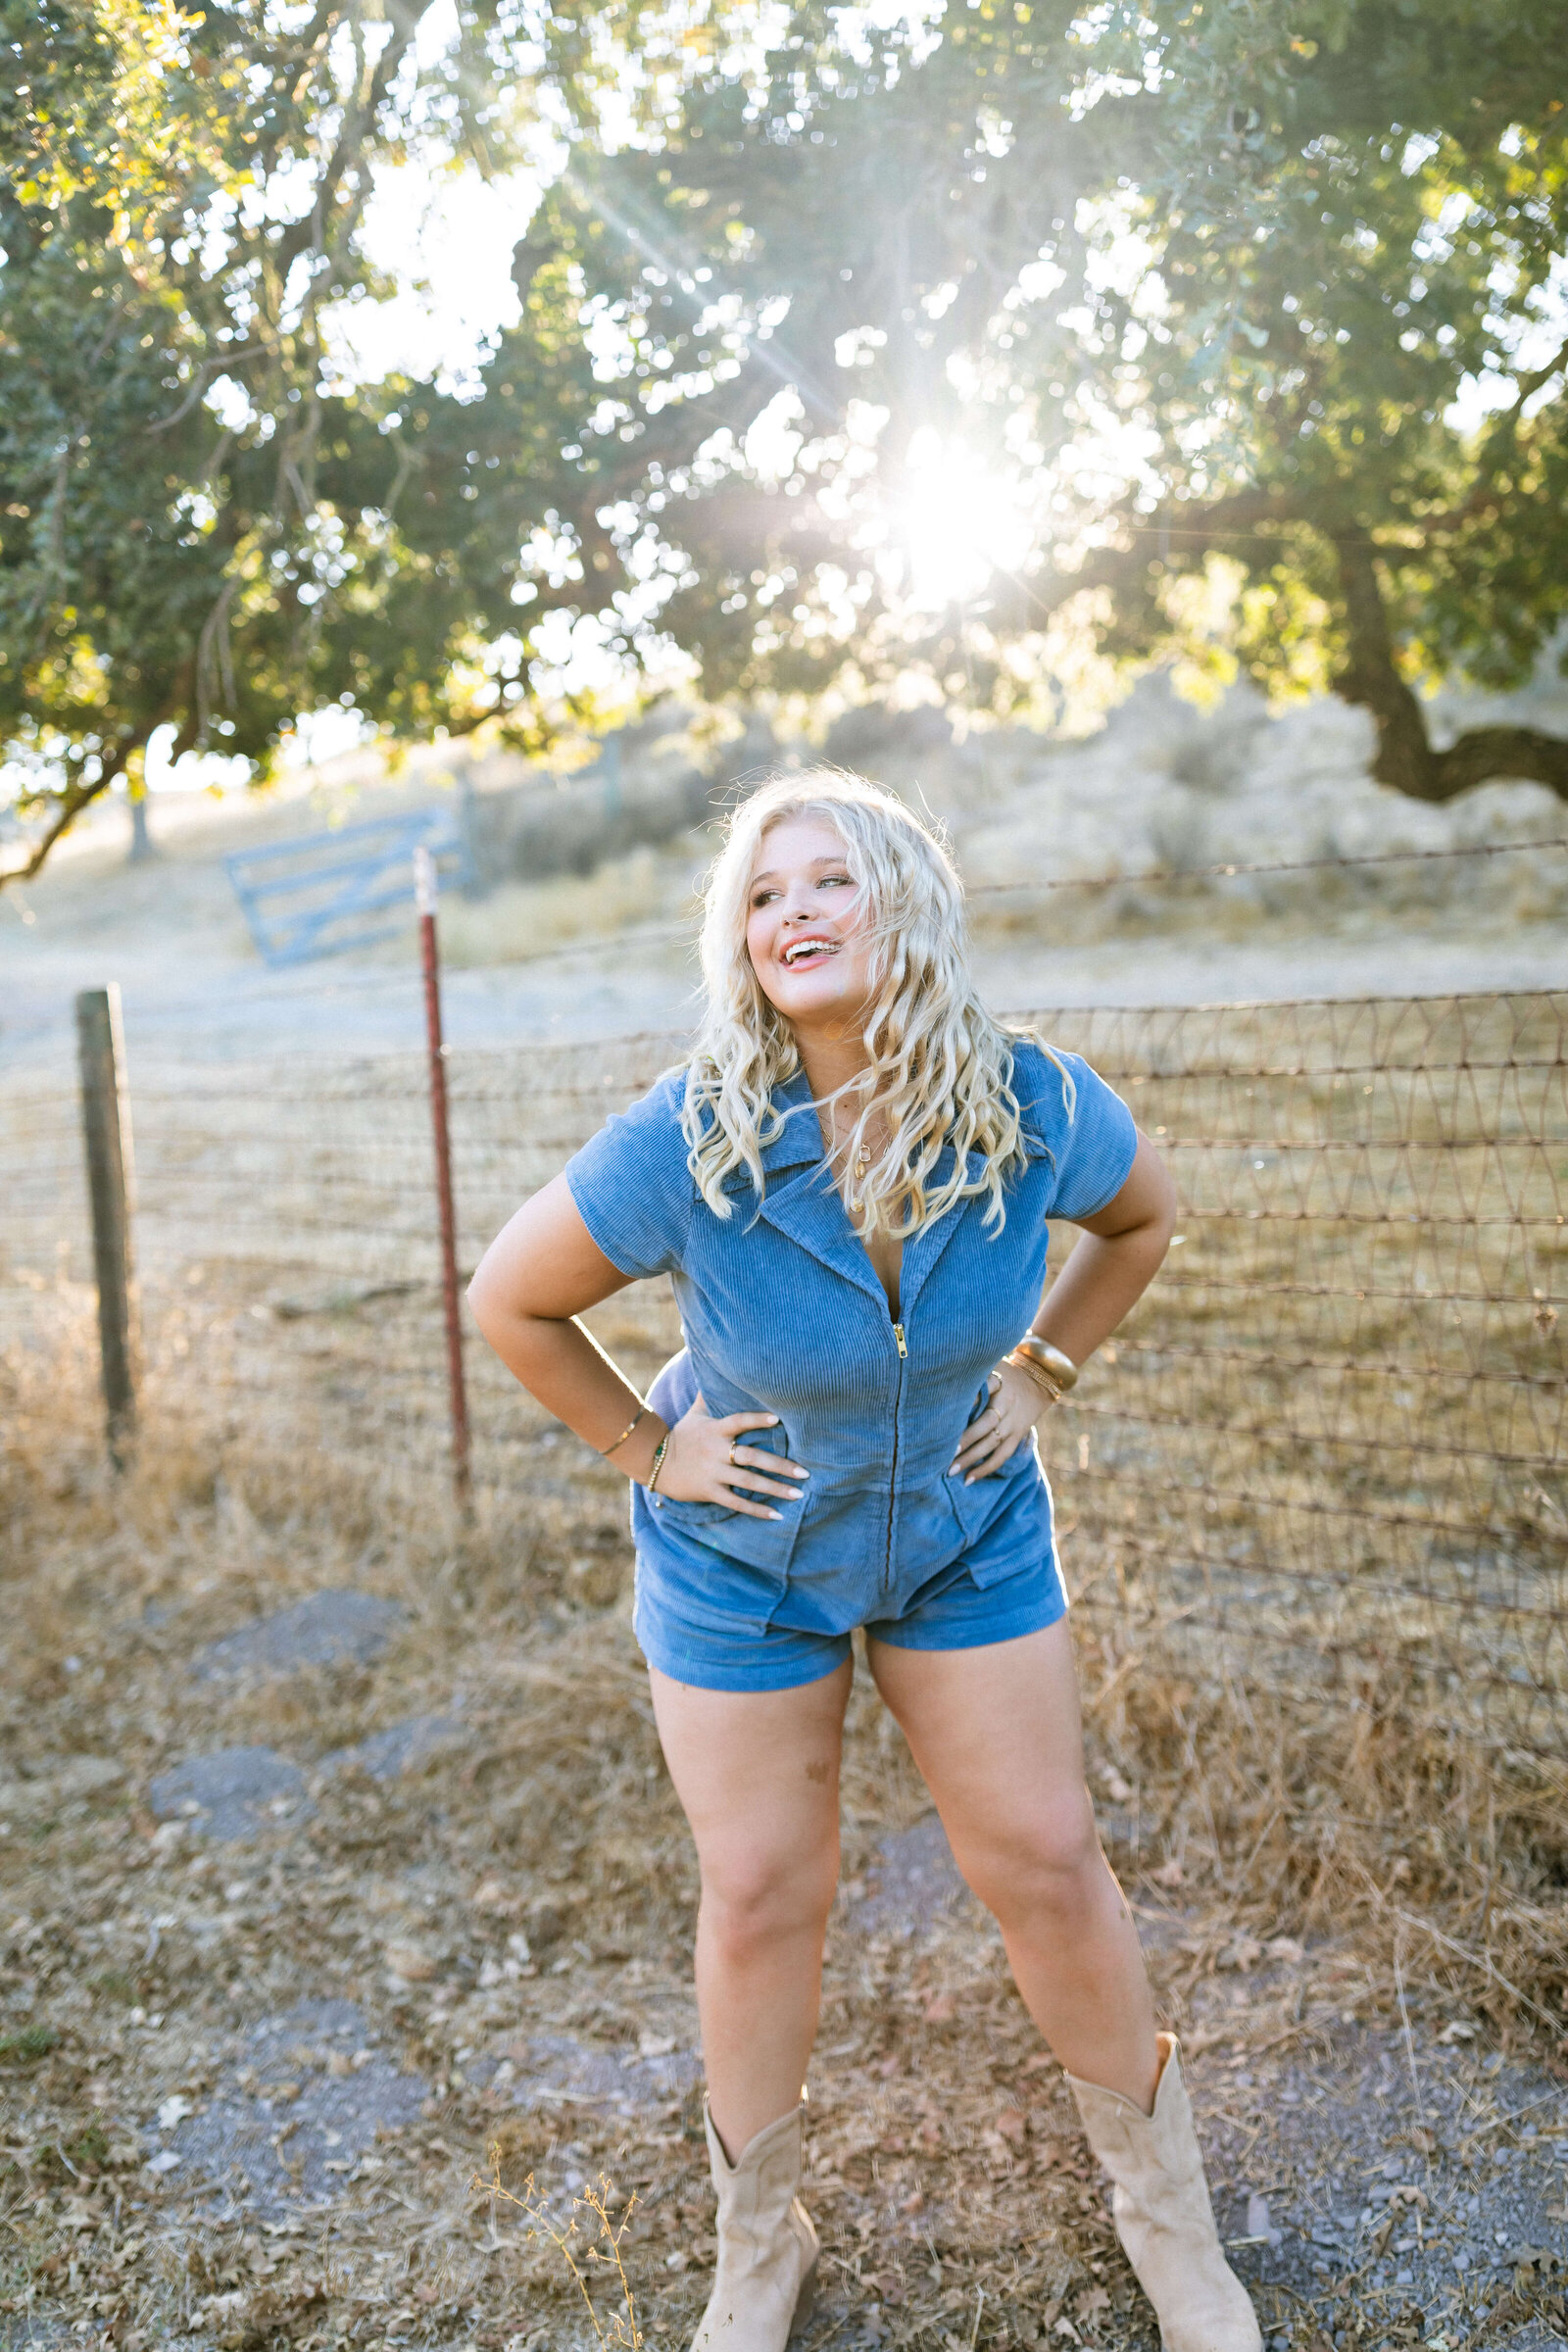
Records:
x=862, y=1161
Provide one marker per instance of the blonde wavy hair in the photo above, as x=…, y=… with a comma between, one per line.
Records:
x=940, y=1067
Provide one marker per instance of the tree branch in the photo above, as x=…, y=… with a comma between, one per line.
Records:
x=1483, y=754
x=67, y=808
x=1405, y=758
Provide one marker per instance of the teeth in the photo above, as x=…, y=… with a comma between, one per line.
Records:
x=809, y=947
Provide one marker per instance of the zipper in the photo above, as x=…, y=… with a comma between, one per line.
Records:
x=893, y=1469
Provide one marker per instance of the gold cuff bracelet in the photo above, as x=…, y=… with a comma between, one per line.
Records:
x=1050, y=1360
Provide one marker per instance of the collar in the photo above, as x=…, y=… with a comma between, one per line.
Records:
x=799, y=1142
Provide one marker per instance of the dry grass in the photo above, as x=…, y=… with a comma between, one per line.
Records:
x=1480, y=897
x=1313, y=1524
x=522, y=919
x=954, y=2194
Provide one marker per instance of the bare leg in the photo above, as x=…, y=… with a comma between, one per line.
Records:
x=997, y=1734
x=757, y=1774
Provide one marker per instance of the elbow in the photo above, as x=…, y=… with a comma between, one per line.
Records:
x=1166, y=1213
x=1169, y=1207
x=485, y=1301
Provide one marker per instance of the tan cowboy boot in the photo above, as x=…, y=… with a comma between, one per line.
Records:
x=1164, y=2216
x=767, y=2244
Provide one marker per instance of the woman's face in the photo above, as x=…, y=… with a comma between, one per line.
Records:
x=807, y=927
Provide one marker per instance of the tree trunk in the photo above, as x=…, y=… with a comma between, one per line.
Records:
x=142, y=841
x=1406, y=756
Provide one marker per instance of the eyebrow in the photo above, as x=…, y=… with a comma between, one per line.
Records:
x=770, y=873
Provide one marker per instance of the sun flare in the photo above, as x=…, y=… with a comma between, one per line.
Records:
x=959, y=524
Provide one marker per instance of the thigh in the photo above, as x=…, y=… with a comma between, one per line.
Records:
x=756, y=1771
x=996, y=1734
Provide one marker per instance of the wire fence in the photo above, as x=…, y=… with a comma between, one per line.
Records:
x=1324, y=1456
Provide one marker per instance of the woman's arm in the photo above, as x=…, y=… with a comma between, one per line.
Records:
x=541, y=1271
x=539, y=1274
x=1121, y=1249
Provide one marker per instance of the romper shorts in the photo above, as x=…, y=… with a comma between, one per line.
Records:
x=695, y=1614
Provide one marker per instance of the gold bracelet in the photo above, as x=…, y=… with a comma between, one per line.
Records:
x=660, y=1451
x=1050, y=1360
x=1034, y=1377
x=605, y=1451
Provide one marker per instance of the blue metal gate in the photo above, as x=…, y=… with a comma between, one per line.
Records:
x=324, y=893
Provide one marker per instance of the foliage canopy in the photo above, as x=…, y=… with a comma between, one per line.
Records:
x=950, y=348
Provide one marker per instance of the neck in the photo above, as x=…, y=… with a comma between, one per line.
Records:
x=830, y=1059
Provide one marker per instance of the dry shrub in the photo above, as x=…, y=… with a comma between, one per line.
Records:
x=1366, y=1813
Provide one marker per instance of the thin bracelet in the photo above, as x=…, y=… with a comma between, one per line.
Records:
x=660, y=1451
x=605, y=1451
x=1036, y=1378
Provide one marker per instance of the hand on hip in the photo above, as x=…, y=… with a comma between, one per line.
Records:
x=709, y=1461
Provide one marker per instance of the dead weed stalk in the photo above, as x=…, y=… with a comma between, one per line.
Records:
x=579, y=2248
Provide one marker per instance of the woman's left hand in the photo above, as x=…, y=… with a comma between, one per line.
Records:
x=995, y=1436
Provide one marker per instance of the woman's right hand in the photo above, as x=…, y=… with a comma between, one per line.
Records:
x=706, y=1461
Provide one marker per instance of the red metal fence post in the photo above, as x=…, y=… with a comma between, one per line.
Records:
x=425, y=893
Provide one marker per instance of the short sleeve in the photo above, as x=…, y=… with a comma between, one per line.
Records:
x=632, y=1185
x=1087, y=1129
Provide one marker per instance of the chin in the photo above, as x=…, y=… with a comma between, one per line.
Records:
x=811, y=1003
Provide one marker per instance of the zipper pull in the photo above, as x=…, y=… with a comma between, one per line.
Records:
x=897, y=1334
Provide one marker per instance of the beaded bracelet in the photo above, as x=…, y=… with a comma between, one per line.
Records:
x=660, y=1451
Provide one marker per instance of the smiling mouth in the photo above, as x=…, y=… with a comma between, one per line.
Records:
x=808, y=951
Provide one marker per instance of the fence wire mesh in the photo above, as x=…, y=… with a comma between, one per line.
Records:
x=1325, y=1454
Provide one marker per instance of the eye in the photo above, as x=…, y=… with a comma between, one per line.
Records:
x=836, y=882
x=760, y=898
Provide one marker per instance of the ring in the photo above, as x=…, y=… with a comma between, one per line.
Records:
x=733, y=1464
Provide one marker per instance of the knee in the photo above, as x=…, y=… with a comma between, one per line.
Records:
x=1047, y=1859
x=754, y=1900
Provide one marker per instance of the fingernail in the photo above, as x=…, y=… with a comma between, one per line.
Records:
x=773, y=1514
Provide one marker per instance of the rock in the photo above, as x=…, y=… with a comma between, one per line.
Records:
x=401, y=1748
x=409, y=1965
x=287, y=2121
x=235, y=1793
x=913, y=1885
x=69, y=1782
x=40, y=2329
x=328, y=1628
x=555, y=2070
x=1259, y=2226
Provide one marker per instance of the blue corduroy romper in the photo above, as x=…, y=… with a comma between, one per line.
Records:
x=783, y=1312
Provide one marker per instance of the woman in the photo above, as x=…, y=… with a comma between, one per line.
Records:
x=849, y=1183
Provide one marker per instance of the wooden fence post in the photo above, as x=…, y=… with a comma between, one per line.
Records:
x=106, y=1133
